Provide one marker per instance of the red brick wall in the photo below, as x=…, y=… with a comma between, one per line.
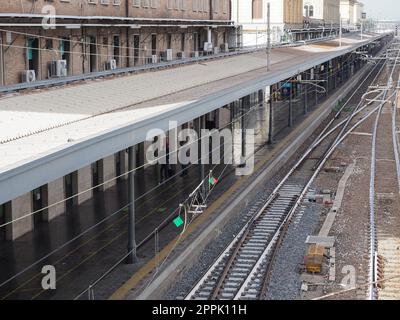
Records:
x=84, y=8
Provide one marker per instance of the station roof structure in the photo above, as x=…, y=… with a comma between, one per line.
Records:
x=46, y=134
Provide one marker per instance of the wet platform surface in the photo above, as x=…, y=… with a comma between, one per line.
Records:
x=85, y=259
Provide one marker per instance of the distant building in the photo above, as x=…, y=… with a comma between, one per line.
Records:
x=358, y=12
x=250, y=17
x=351, y=12
x=322, y=12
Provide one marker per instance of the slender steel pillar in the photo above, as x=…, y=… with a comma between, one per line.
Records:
x=132, y=258
x=243, y=124
x=327, y=78
x=305, y=98
x=316, y=93
x=271, y=117
x=290, y=105
x=201, y=125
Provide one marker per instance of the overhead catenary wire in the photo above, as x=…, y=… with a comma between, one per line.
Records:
x=111, y=45
x=96, y=44
x=98, y=224
x=336, y=143
x=281, y=85
x=111, y=179
x=372, y=273
x=171, y=152
x=121, y=209
x=266, y=203
x=112, y=268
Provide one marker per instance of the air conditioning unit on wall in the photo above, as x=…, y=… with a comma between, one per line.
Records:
x=111, y=64
x=181, y=55
x=208, y=47
x=167, y=55
x=28, y=76
x=58, y=68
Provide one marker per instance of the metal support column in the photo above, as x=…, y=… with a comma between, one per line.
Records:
x=244, y=108
x=290, y=105
x=271, y=117
x=335, y=72
x=132, y=258
x=201, y=125
x=305, y=98
x=316, y=94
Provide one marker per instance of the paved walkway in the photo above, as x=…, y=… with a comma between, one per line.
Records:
x=98, y=249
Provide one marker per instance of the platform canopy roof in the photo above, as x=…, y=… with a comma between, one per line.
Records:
x=49, y=133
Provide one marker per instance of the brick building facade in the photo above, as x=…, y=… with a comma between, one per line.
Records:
x=88, y=34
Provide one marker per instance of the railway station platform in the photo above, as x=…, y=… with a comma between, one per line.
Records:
x=61, y=143
x=49, y=134
x=104, y=244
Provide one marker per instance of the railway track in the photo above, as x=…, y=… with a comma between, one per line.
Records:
x=384, y=239
x=243, y=270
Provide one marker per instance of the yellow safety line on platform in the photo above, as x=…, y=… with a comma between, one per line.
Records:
x=121, y=292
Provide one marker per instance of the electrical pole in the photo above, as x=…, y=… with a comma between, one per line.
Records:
x=132, y=258
x=361, y=29
x=268, y=36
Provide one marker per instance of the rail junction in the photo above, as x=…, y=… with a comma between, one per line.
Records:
x=73, y=154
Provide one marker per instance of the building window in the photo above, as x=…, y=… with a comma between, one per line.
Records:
x=257, y=7
x=308, y=10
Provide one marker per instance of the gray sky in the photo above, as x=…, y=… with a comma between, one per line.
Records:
x=382, y=9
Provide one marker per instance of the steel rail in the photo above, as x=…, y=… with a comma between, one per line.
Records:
x=395, y=137
x=239, y=239
x=301, y=198
x=372, y=289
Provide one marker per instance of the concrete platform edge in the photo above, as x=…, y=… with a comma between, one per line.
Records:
x=191, y=253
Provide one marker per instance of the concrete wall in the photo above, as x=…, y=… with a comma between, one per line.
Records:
x=123, y=165
x=262, y=120
x=284, y=14
x=224, y=118
x=332, y=12
x=347, y=12
x=15, y=209
x=327, y=11
x=108, y=172
x=55, y=193
x=84, y=182
x=358, y=11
